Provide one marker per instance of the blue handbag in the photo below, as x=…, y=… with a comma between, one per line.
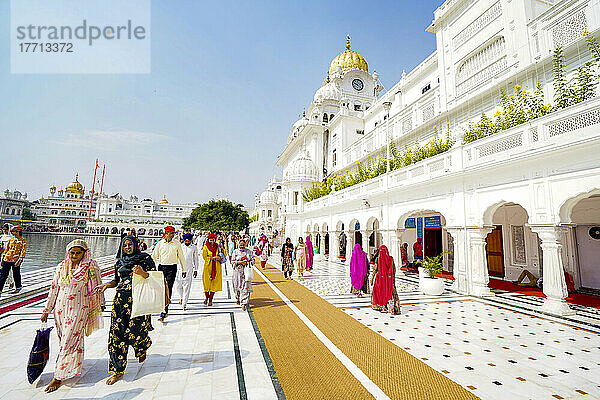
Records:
x=40, y=352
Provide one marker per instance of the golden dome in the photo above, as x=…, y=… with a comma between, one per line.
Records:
x=164, y=200
x=349, y=59
x=75, y=187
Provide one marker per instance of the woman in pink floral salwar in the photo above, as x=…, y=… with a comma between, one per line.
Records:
x=77, y=307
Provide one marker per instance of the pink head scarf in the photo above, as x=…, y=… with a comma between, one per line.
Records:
x=358, y=267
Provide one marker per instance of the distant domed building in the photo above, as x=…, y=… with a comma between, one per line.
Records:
x=66, y=208
x=267, y=211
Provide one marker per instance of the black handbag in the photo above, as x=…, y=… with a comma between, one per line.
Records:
x=40, y=352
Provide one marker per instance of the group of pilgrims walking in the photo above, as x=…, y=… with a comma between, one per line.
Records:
x=300, y=257
x=381, y=284
x=76, y=296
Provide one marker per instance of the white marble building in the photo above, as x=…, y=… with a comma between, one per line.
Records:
x=525, y=198
x=114, y=213
x=268, y=210
x=116, y=208
x=65, y=208
x=12, y=205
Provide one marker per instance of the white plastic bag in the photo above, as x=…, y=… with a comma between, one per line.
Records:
x=248, y=273
x=148, y=294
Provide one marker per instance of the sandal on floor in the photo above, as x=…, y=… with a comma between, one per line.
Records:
x=55, y=384
x=114, y=378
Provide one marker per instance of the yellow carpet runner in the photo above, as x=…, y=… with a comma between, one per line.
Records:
x=308, y=370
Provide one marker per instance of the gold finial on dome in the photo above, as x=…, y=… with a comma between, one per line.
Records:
x=348, y=59
x=75, y=186
x=303, y=112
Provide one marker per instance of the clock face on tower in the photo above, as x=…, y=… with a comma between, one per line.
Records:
x=357, y=84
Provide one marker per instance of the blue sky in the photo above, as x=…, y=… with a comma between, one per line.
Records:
x=228, y=81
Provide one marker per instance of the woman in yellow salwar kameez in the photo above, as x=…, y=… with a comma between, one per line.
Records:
x=212, y=275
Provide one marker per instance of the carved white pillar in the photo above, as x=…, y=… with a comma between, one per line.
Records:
x=349, y=244
x=394, y=249
x=461, y=281
x=334, y=250
x=555, y=287
x=477, y=268
x=364, y=243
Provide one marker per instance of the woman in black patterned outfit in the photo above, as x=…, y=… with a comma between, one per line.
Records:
x=124, y=330
x=287, y=262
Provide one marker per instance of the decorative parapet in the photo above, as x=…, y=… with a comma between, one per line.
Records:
x=570, y=124
x=545, y=134
x=570, y=29
x=478, y=24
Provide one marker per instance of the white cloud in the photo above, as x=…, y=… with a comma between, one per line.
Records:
x=112, y=140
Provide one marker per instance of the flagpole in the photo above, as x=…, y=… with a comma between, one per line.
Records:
x=92, y=196
x=102, y=184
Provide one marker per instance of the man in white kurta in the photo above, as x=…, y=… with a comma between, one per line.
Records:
x=183, y=282
x=241, y=257
x=167, y=254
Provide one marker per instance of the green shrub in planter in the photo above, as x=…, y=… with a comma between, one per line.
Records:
x=433, y=265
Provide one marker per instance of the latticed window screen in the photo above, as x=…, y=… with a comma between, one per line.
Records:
x=428, y=112
x=478, y=24
x=407, y=125
x=569, y=30
x=577, y=122
x=500, y=145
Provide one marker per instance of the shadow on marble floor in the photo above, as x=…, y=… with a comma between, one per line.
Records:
x=258, y=302
x=120, y=395
x=154, y=364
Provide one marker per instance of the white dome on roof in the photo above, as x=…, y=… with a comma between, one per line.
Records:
x=329, y=91
x=268, y=196
x=303, y=169
x=297, y=127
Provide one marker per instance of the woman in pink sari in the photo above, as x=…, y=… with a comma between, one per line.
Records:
x=385, y=298
x=310, y=252
x=77, y=308
x=359, y=271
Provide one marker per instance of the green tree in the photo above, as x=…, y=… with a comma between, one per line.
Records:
x=28, y=215
x=221, y=215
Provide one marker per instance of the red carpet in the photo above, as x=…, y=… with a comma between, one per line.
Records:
x=574, y=298
x=444, y=274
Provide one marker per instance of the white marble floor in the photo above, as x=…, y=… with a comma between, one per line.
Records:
x=494, y=351
x=193, y=356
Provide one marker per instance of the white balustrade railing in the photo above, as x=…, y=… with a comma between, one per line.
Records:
x=552, y=132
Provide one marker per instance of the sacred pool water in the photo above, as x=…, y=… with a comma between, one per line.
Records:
x=45, y=250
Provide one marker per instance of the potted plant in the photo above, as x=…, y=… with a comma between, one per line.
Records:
x=428, y=282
